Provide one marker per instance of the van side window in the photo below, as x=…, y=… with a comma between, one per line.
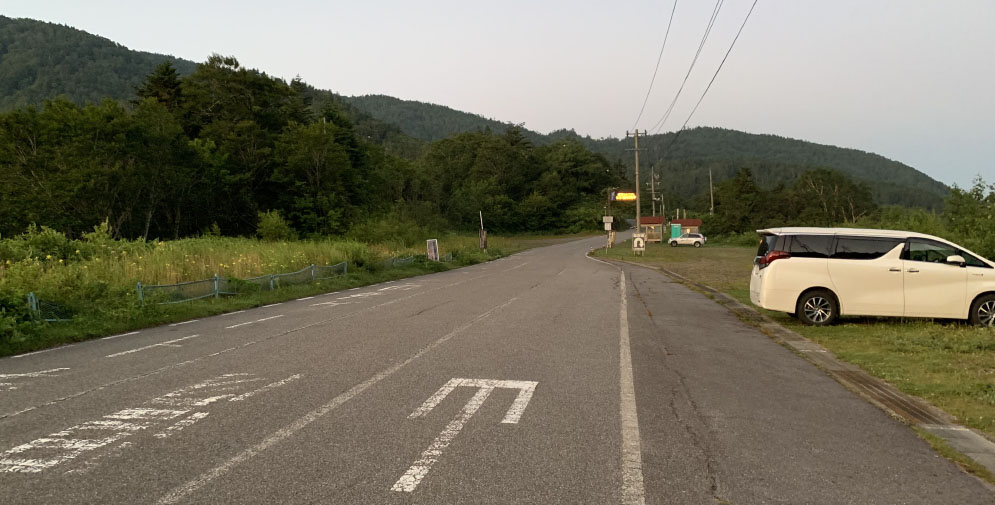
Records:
x=809, y=246
x=928, y=251
x=871, y=248
x=973, y=261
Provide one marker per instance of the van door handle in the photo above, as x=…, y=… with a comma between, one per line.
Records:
x=894, y=269
x=914, y=270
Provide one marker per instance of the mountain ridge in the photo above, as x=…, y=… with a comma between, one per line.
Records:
x=41, y=60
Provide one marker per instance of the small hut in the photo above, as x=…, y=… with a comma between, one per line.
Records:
x=653, y=227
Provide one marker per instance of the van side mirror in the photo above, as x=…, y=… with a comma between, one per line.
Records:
x=956, y=260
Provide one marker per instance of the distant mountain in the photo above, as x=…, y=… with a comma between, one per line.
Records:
x=40, y=60
x=683, y=165
x=427, y=121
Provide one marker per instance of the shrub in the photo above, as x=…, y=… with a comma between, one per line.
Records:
x=273, y=228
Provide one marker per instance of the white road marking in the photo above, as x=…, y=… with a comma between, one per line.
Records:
x=233, y=313
x=267, y=387
x=35, y=352
x=410, y=480
x=251, y=322
x=183, y=423
x=11, y=386
x=271, y=305
x=632, y=462
x=42, y=373
x=73, y=442
x=235, y=348
x=168, y=343
x=182, y=491
x=121, y=335
x=329, y=304
x=185, y=322
x=305, y=298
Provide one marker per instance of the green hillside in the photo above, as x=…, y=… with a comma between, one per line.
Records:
x=428, y=121
x=683, y=165
x=42, y=60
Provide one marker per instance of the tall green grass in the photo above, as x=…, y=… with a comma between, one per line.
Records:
x=94, y=277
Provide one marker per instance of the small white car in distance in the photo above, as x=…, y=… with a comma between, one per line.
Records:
x=819, y=274
x=692, y=239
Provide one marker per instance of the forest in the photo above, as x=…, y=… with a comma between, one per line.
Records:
x=214, y=149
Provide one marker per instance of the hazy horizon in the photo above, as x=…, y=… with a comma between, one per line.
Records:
x=906, y=80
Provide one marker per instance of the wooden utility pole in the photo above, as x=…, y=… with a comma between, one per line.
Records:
x=711, y=194
x=635, y=136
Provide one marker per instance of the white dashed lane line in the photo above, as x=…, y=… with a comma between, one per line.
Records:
x=121, y=335
x=185, y=322
x=168, y=343
x=251, y=322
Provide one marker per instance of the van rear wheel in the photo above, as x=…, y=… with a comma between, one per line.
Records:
x=983, y=311
x=817, y=308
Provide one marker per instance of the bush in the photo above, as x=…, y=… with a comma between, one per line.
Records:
x=273, y=228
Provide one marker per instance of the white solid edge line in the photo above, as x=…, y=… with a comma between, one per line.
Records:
x=632, y=462
x=182, y=491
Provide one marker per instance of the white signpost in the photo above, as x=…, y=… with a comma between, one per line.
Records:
x=433, y=249
x=410, y=480
x=639, y=242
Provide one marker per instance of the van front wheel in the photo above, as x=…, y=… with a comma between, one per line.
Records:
x=817, y=308
x=983, y=311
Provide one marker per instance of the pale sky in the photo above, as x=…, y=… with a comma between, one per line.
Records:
x=911, y=80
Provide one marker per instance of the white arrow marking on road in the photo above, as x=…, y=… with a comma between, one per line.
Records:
x=410, y=480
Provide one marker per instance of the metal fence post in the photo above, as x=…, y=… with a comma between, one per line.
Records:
x=272, y=282
x=33, y=305
x=216, y=287
x=141, y=293
x=312, y=272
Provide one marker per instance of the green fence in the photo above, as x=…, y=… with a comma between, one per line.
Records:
x=217, y=286
x=47, y=311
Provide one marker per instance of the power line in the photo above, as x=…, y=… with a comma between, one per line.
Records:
x=657, y=68
x=716, y=74
x=711, y=22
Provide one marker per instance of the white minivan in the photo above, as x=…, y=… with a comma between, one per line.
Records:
x=819, y=274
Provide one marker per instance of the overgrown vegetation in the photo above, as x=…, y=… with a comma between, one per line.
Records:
x=94, y=277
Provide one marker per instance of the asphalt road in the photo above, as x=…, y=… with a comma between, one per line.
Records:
x=546, y=377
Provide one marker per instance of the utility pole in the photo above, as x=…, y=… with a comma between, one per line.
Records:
x=653, y=189
x=635, y=136
x=711, y=194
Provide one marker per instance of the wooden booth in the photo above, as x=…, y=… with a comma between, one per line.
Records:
x=653, y=227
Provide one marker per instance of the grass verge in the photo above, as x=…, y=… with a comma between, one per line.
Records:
x=949, y=364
